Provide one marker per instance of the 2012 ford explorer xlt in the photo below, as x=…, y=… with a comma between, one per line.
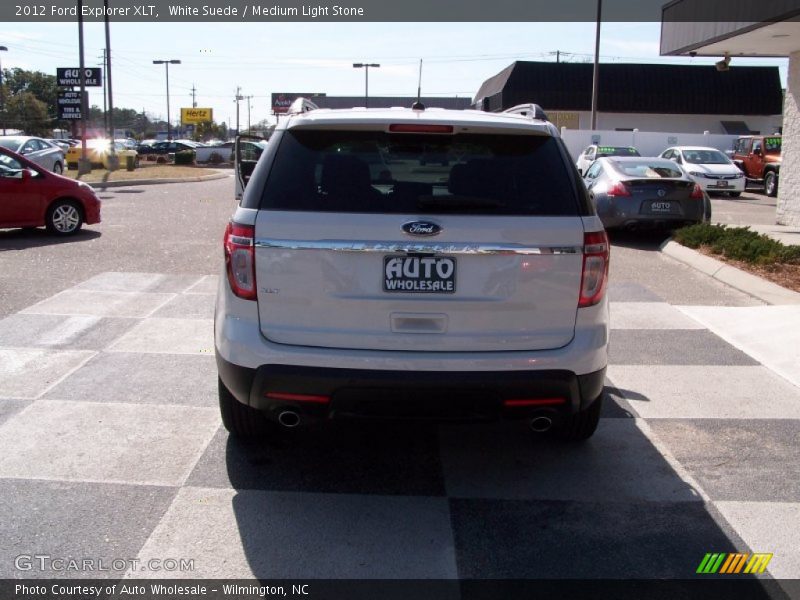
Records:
x=360, y=282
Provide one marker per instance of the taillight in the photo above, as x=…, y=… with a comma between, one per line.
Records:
x=618, y=189
x=240, y=260
x=697, y=192
x=595, y=268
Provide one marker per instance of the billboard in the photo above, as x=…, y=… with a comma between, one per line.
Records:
x=69, y=77
x=282, y=101
x=196, y=115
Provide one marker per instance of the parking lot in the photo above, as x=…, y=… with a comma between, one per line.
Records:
x=111, y=444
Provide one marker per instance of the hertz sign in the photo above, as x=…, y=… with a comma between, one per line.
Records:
x=196, y=115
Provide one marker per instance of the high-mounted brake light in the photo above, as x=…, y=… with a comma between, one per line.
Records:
x=419, y=128
x=239, y=244
x=595, y=268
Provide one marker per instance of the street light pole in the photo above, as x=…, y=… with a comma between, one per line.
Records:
x=2, y=94
x=366, y=67
x=166, y=64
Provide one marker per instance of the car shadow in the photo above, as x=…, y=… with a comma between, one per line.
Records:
x=20, y=239
x=644, y=239
x=395, y=501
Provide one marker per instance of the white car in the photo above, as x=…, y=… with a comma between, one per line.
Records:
x=472, y=291
x=45, y=154
x=595, y=151
x=709, y=167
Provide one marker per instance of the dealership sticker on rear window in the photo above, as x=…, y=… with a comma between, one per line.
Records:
x=420, y=274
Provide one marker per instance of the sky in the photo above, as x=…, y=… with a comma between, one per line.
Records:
x=262, y=58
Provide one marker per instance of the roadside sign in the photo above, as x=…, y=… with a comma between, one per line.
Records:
x=70, y=77
x=196, y=115
x=282, y=102
x=69, y=104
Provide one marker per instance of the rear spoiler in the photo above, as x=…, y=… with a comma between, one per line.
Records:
x=301, y=105
x=533, y=111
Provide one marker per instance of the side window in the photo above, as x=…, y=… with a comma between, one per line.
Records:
x=746, y=143
x=594, y=170
x=30, y=146
x=667, y=154
x=591, y=153
x=756, y=146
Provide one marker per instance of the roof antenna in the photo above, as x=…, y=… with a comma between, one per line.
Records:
x=418, y=105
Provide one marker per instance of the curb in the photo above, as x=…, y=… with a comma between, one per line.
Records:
x=764, y=290
x=134, y=182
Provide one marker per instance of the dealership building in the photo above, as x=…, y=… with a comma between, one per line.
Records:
x=647, y=97
x=733, y=29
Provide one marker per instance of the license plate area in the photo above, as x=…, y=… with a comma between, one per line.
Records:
x=419, y=274
x=721, y=184
x=663, y=207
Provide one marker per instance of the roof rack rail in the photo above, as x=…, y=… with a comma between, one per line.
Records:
x=301, y=105
x=533, y=111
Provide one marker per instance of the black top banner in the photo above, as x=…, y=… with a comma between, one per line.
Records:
x=735, y=11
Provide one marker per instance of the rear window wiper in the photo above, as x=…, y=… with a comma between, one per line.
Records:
x=459, y=202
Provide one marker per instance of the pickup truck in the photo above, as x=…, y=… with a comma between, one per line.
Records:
x=759, y=158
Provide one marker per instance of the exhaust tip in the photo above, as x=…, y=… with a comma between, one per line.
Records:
x=289, y=419
x=541, y=424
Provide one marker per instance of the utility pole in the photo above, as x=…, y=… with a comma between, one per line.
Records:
x=105, y=108
x=113, y=159
x=366, y=67
x=596, y=72
x=194, y=101
x=248, y=112
x=84, y=166
x=238, y=98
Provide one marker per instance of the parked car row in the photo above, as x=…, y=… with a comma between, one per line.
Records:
x=631, y=191
x=37, y=150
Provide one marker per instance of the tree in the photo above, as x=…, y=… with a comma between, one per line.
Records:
x=26, y=112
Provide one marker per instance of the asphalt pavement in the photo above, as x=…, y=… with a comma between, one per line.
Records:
x=111, y=444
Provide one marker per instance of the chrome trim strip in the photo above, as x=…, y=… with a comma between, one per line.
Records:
x=415, y=248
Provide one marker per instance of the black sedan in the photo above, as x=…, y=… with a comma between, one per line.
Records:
x=633, y=192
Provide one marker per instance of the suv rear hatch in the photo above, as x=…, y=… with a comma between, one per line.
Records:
x=360, y=245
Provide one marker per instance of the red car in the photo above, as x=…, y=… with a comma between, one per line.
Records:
x=31, y=197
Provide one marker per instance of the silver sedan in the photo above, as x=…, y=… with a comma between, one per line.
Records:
x=43, y=153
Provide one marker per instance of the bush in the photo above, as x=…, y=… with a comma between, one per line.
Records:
x=216, y=158
x=184, y=157
x=738, y=243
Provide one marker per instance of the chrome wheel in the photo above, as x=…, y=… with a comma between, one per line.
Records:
x=65, y=218
x=58, y=169
x=770, y=184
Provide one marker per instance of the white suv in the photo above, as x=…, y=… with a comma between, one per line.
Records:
x=359, y=282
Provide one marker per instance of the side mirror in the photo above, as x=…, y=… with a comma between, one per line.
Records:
x=26, y=174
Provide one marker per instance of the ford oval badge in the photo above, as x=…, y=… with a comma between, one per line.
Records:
x=422, y=228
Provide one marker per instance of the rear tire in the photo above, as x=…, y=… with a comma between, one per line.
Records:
x=734, y=194
x=240, y=420
x=771, y=184
x=581, y=425
x=58, y=168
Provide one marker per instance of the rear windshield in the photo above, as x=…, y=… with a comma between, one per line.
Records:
x=379, y=172
x=648, y=169
x=616, y=151
x=706, y=157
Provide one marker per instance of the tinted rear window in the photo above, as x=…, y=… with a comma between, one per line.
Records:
x=378, y=172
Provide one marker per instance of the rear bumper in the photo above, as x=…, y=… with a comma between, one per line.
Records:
x=318, y=393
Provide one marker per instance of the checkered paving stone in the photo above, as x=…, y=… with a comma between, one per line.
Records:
x=111, y=446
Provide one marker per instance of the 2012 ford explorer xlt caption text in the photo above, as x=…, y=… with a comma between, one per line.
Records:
x=362, y=280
